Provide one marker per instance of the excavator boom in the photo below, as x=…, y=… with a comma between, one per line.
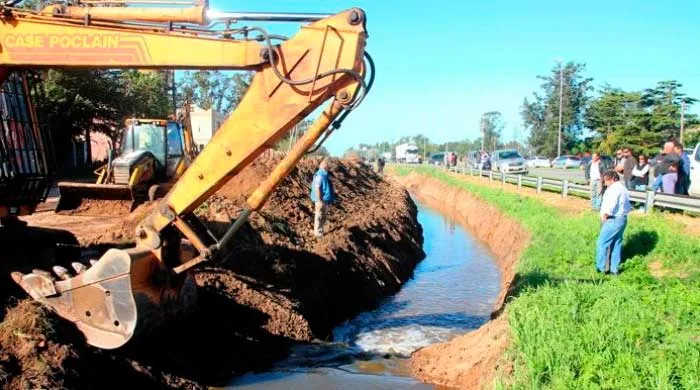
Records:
x=132, y=290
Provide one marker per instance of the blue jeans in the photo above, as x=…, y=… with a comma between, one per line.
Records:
x=610, y=237
x=596, y=194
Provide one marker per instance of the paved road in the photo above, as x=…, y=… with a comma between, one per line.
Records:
x=557, y=173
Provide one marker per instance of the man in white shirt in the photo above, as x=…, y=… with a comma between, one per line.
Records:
x=594, y=175
x=613, y=216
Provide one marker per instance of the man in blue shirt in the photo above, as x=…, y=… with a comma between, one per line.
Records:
x=322, y=195
x=613, y=216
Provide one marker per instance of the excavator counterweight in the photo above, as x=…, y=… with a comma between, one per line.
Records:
x=130, y=291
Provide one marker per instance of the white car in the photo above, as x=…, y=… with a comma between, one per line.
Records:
x=539, y=162
x=508, y=161
x=694, y=189
x=565, y=162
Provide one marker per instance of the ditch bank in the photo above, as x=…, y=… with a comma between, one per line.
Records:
x=471, y=360
x=279, y=286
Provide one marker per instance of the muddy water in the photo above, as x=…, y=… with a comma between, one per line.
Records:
x=453, y=290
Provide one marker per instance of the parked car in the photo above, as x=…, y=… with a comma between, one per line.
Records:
x=539, y=162
x=437, y=159
x=508, y=161
x=694, y=189
x=565, y=162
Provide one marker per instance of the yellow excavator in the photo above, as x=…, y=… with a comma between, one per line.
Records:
x=153, y=155
x=130, y=291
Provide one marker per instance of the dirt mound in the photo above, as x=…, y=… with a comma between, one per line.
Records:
x=279, y=284
x=98, y=207
x=470, y=361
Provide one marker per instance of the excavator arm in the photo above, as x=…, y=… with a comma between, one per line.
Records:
x=129, y=291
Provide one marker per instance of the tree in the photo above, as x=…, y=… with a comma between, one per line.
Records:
x=492, y=128
x=639, y=120
x=141, y=95
x=541, y=114
x=214, y=89
x=80, y=101
x=664, y=103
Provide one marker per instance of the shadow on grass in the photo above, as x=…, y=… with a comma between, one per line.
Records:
x=639, y=244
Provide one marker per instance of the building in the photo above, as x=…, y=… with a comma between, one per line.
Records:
x=204, y=124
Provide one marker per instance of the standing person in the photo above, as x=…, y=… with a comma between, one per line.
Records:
x=380, y=165
x=668, y=157
x=640, y=174
x=322, y=195
x=684, y=169
x=594, y=174
x=669, y=182
x=628, y=167
x=613, y=216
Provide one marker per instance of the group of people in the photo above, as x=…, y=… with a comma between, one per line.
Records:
x=669, y=171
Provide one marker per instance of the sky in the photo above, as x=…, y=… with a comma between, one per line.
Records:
x=441, y=65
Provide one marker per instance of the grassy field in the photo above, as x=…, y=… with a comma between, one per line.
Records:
x=573, y=328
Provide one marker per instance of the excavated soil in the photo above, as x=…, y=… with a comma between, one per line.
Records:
x=470, y=361
x=279, y=284
x=100, y=208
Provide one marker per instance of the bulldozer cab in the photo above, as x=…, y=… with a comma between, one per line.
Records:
x=163, y=139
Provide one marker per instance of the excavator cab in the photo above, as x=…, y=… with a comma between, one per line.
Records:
x=151, y=156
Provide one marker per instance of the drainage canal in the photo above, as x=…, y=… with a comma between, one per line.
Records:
x=453, y=291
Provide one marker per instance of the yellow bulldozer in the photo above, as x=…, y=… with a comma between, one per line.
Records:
x=323, y=66
x=153, y=154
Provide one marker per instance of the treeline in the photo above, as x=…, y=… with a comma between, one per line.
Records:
x=491, y=128
x=607, y=120
x=603, y=119
x=76, y=102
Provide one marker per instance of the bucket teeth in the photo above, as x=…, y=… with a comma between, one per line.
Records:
x=93, y=262
x=79, y=267
x=61, y=272
x=41, y=272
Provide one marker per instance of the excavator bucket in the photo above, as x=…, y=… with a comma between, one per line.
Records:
x=73, y=195
x=125, y=293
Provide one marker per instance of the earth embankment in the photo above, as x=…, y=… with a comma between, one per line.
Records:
x=278, y=285
x=471, y=360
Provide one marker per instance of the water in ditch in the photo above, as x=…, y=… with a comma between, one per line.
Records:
x=453, y=291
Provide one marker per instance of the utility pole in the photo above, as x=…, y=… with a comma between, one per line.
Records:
x=561, y=102
x=483, y=131
x=682, y=118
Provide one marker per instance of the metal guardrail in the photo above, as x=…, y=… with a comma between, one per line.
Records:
x=566, y=188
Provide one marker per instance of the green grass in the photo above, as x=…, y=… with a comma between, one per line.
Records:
x=575, y=329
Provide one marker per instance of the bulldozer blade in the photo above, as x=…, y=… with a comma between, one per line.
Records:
x=125, y=293
x=73, y=194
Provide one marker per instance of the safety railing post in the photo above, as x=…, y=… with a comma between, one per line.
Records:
x=649, y=204
x=490, y=175
x=565, y=189
x=539, y=184
x=503, y=179
x=520, y=182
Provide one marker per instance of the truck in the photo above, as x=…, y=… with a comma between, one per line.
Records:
x=407, y=153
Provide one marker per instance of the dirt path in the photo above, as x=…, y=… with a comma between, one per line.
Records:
x=470, y=361
x=279, y=284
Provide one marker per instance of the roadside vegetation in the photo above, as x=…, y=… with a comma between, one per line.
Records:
x=574, y=328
